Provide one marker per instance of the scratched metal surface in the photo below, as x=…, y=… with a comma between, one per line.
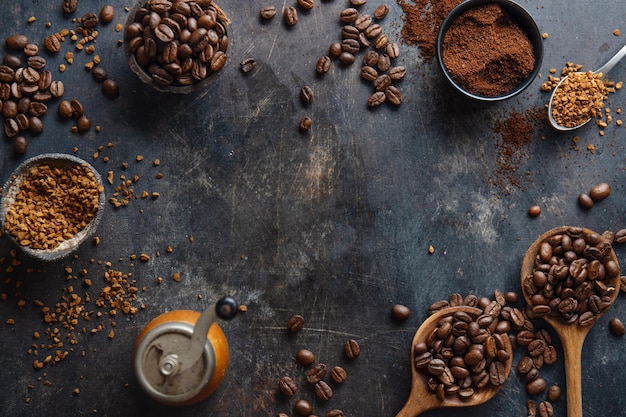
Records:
x=334, y=225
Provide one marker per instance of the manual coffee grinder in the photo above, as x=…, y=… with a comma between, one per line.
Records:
x=181, y=356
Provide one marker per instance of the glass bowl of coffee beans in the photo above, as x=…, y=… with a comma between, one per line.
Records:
x=176, y=46
x=51, y=204
x=489, y=50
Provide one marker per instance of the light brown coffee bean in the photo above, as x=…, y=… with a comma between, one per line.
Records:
x=381, y=11
x=247, y=65
x=323, y=391
x=338, y=374
x=295, y=323
x=534, y=211
x=291, y=16
x=545, y=409
x=334, y=49
x=369, y=73
x=305, y=357
x=287, y=386
x=600, y=191
x=349, y=15
x=393, y=50
x=394, y=95
x=323, y=64
x=352, y=349
x=305, y=123
x=65, y=109
x=306, y=4
x=335, y=413
x=107, y=14
x=267, y=12
x=376, y=99
x=52, y=44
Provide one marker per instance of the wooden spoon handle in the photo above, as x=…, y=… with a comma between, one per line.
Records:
x=572, y=351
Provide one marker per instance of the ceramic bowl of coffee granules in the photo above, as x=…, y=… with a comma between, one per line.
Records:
x=489, y=50
x=176, y=46
x=51, y=204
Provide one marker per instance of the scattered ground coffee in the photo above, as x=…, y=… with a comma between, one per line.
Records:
x=486, y=52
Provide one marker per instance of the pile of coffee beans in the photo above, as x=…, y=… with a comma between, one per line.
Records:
x=178, y=43
x=320, y=378
x=573, y=277
x=26, y=88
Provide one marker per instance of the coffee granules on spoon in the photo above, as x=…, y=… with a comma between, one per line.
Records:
x=486, y=52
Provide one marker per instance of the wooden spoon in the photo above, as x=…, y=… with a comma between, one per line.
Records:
x=572, y=335
x=421, y=397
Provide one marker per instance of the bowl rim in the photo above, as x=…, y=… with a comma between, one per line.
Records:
x=11, y=187
x=143, y=76
x=524, y=20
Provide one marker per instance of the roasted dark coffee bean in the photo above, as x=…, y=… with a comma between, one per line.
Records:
x=305, y=357
x=323, y=64
x=536, y=386
x=16, y=42
x=89, y=20
x=351, y=46
x=554, y=393
x=383, y=64
x=600, y=191
x=37, y=109
x=303, y=408
x=77, y=108
x=83, y=124
x=218, y=61
x=397, y=73
x=291, y=16
x=620, y=236
x=305, y=123
x=550, y=355
x=20, y=145
x=12, y=61
x=45, y=80
x=617, y=327
x=394, y=95
x=99, y=74
x=316, y=373
x=381, y=11
x=306, y=4
x=335, y=413
x=295, y=323
x=400, y=312
x=334, y=50
x=349, y=15
x=370, y=58
x=306, y=94
x=323, y=391
x=22, y=121
x=352, y=349
x=110, y=88
x=107, y=14
x=9, y=109
x=338, y=374
x=350, y=32
x=497, y=374
x=381, y=42
x=247, y=65
x=585, y=202
x=373, y=31
x=362, y=22
x=531, y=408
x=382, y=82
x=376, y=99
x=393, y=50
x=287, y=386
x=358, y=3
x=22, y=105
x=52, y=44
x=7, y=74
x=525, y=365
x=65, y=109
x=545, y=409
x=10, y=127
x=363, y=41
x=35, y=125
x=70, y=6
x=267, y=12
x=368, y=73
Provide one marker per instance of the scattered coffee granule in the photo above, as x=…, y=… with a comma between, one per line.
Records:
x=486, y=52
x=422, y=20
x=52, y=205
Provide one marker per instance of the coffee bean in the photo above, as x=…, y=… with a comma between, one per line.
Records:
x=536, y=386
x=323, y=64
x=287, y=386
x=295, y=323
x=35, y=125
x=70, y=6
x=585, y=201
x=107, y=14
x=65, y=109
x=534, y=211
x=369, y=73
x=545, y=409
x=303, y=408
x=351, y=46
x=16, y=42
x=370, y=58
x=306, y=94
x=531, y=408
x=20, y=145
x=394, y=96
x=362, y=22
x=393, y=50
x=31, y=49
x=291, y=16
x=620, y=236
x=52, y=44
x=617, y=327
x=7, y=74
x=335, y=413
x=349, y=15
x=382, y=82
x=110, y=88
x=305, y=123
x=77, y=108
x=267, y=12
x=9, y=109
x=381, y=11
x=334, y=50
x=83, y=124
x=373, y=31
x=400, y=312
x=600, y=191
x=89, y=20
x=381, y=42
x=12, y=61
x=247, y=65
x=338, y=374
x=358, y=3
x=554, y=393
x=316, y=373
x=383, y=63
x=10, y=127
x=352, y=349
x=323, y=391
x=305, y=357
x=306, y=4
x=282, y=415
x=99, y=74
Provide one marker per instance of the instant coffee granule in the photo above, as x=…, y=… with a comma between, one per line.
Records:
x=486, y=52
x=52, y=205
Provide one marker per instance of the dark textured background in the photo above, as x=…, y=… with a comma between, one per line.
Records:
x=334, y=224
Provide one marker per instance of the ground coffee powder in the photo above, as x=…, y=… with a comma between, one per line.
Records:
x=486, y=52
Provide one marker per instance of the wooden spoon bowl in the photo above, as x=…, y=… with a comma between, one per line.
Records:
x=572, y=335
x=421, y=397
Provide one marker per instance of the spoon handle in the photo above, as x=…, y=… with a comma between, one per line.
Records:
x=604, y=69
x=572, y=351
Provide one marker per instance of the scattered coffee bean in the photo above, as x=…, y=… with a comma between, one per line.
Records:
x=65, y=109
x=291, y=16
x=306, y=94
x=306, y=4
x=335, y=413
x=349, y=15
x=545, y=409
x=323, y=64
x=305, y=124
x=316, y=373
x=20, y=145
x=334, y=50
x=617, y=327
x=381, y=11
x=267, y=12
x=358, y=3
x=346, y=58
x=620, y=236
x=585, y=201
x=338, y=374
x=376, y=99
x=323, y=391
x=52, y=44
x=107, y=14
x=295, y=323
x=16, y=42
x=83, y=124
x=554, y=393
x=303, y=408
x=536, y=386
x=352, y=349
x=400, y=312
x=110, y=88
x=99, y=74
x=305, y=357
x=70, y=6
x=394, y=95
x=393, y=50
x=287, y=386
x=534, y=211
x=247, y=65
x=600, y=191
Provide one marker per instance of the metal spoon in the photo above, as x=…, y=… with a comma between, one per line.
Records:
x=604, y=70
x=422, y=398
x=572, y=335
